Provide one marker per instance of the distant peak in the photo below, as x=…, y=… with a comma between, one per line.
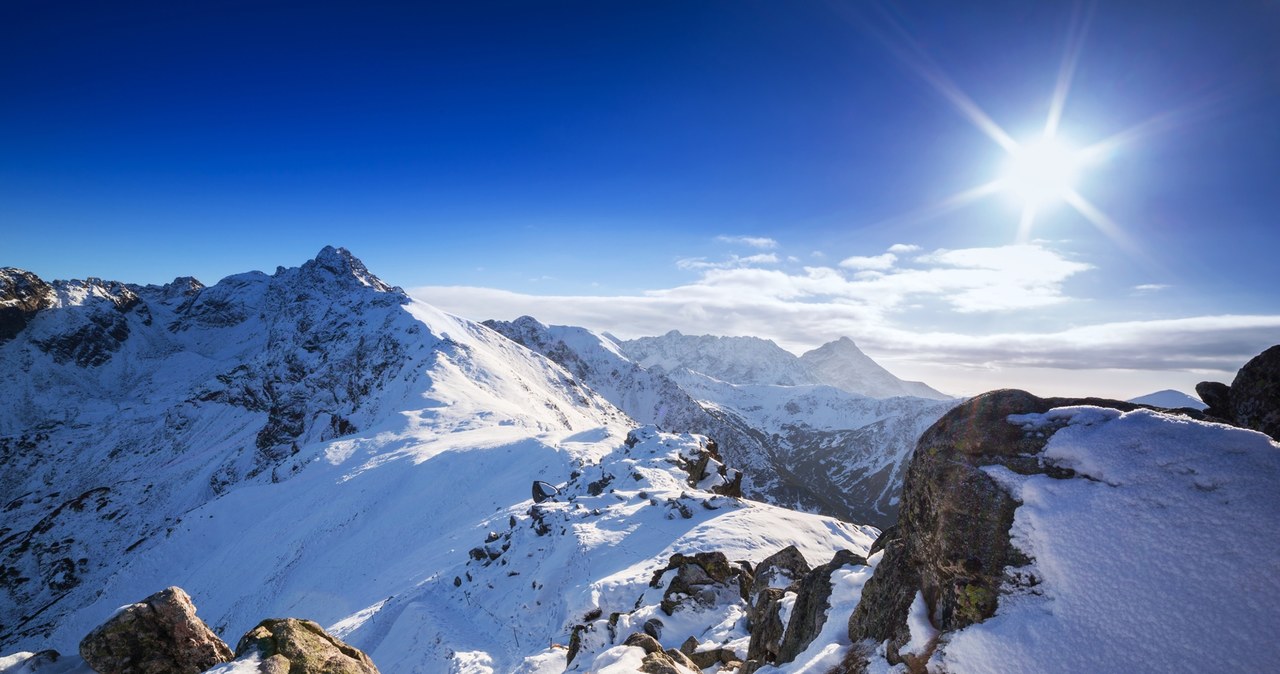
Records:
x=673, y=333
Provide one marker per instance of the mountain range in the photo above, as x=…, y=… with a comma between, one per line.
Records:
x=316, y=443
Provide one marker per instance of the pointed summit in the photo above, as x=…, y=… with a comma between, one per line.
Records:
x=842, y=364
x=340, y=263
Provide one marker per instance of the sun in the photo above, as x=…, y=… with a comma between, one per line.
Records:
x=1040, y=173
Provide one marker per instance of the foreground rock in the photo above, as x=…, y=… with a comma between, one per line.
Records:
x=160, y=635
x=951, y=544
x=293, y=646
x=1253, y=399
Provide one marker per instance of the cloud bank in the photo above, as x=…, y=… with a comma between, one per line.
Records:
x=872, y=300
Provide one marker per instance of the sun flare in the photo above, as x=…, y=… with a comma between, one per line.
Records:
x=1041, y=173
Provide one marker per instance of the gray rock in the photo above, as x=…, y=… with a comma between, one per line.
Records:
x=952, y=539
x=1255, y=393
x=780, y=569
x=294, y=646
x=1217, y=396
x=160, y=635
x=766, y=626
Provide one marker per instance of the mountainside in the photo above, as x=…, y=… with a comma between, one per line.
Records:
x=844, y=451
x=808, y=446
x=741, y=360
x=133, y=405
x=314, y=443
x=843, y=365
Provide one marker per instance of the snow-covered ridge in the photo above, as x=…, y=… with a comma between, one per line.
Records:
x=811, y=446
x=133, y=405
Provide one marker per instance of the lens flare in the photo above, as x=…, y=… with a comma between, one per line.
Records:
x=1041, y=173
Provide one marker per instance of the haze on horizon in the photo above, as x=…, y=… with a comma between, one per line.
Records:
x=793, y=172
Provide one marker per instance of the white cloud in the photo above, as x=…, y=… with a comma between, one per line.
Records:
x=801, y=310
x=904, y=248
x=1146, y=288
x=761, y=242
x=702, y=263
x=884, y=261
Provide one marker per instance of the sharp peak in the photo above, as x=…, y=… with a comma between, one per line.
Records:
x=343, y=264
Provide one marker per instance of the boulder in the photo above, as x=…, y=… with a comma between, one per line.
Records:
x=780, y=570
x=160, y=635
x=294, y=646
x=809, y=613
x=1217, y=396
x=952, y=542
x=1255, y=393
x=543, y=491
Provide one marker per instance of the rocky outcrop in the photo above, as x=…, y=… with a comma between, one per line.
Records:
x=160, y=635
x=780, y=570
x=22, y=294
x=1253, y=398
x=809, y=613
x=952, y=539
x=701, y=580
x=294, y=646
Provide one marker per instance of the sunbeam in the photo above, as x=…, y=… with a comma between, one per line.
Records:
x=1075, y=43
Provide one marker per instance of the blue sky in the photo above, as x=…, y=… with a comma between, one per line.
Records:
x=705, y=166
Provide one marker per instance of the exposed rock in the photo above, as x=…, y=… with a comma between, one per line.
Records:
x=1217, y=396
x=809, y=613
x=294, y=646
x=1255, y=393
x=952, y=539
x=780, y=569
x=644, y=642
x=767, y=629
x=701, y=579
x=160, y=635
x=543, y=491
x=22, y=294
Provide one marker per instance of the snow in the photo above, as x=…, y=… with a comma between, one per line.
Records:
x=27, y=663
x=1163, y=555
x=922, y=630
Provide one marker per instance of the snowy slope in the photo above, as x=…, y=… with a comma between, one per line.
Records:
x=135, y=405
x=843, y=365
x=1170, y=399
x=847, y=452
x=811, y=447
x=741, y=360
x=313, y=443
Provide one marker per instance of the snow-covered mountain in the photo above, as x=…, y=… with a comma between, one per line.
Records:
x=315, y=443
x=1170, y=399
x=843, y=365
x=741, y=360
x=809, y=446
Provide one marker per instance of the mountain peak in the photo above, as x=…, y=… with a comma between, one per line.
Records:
x=342, y=264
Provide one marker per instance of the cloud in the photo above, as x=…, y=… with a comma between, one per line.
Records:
x=903, y=248
x=761, y=242
x=1147, y=288
x=884, y=261
x=803, y=309
x=702, y=263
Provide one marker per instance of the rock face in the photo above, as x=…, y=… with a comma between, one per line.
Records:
x=952, y=539
x=1255, y=393
x=809, y=613
x=1253, y=399
x=293, y=646
x=160, y=635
